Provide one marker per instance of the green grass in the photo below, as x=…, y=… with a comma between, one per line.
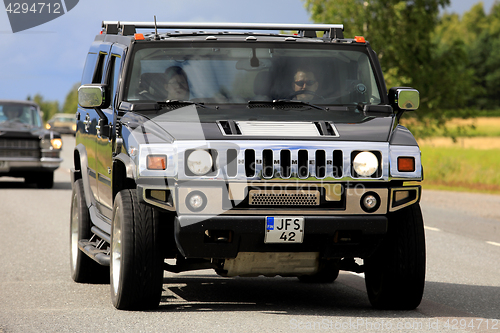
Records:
x=461, y=169
x=458, y=127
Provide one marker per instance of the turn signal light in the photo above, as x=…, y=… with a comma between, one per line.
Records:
x=157, y=162
x=406, y=164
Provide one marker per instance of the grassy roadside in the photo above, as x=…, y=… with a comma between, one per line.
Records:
x=461, y=169
x=469, y=162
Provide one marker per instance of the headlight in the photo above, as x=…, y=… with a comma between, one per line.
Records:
x=56, y=143
x=73, y=127
x=365, y=164
x=47, y=126
x=199, y=162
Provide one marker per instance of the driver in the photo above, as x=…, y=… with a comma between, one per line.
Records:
x=304, y=80
x=13, y=113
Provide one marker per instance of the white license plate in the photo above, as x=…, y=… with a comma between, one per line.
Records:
x=4, y=166
x=284, y=229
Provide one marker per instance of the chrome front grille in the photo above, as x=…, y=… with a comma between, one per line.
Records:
x=12, y=148
x=289, y=163
x=19, y=144
x=283, y=198
x=270, y=160
x=20, y=153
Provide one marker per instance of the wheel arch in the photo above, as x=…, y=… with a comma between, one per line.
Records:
x=80, y=163
x=123, y=174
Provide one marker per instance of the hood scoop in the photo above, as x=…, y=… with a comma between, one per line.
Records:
x=272, y=128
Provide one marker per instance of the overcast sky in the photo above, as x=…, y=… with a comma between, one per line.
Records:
x=48, y=59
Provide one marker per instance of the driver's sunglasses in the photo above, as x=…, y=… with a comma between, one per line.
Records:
x=306, y=82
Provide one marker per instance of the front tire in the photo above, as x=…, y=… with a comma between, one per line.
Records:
x=395, y=273
x=136, y=258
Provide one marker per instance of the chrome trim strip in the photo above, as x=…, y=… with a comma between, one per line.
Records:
x=158, y=203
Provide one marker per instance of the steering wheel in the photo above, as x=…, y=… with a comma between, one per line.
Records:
x=307, y=92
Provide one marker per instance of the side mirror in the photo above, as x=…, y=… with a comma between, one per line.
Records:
x=403, y=98
x=92, y=96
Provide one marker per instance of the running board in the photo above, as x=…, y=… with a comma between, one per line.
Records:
x=90, y=249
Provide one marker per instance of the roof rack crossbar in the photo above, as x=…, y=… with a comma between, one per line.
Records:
x=228, y=26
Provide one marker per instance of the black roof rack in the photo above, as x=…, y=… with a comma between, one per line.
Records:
x=333, y=31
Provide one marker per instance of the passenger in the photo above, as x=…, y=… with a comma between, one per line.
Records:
x=304, y=85
x=176, y=84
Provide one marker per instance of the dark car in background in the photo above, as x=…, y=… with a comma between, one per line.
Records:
x=63, y=123
x=27, y=150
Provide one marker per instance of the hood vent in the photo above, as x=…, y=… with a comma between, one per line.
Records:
x=271, y=128
x=229, y=127
x=326, y=128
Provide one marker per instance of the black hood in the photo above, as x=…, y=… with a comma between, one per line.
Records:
x=193, y=124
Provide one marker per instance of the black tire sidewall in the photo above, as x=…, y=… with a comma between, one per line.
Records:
x=141, y=264
x=395, y=273
x=82, y=270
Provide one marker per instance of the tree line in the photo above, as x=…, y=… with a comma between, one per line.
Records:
x=50, y=108
x=452, y=59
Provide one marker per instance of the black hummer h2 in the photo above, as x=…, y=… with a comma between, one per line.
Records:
x=252, y=153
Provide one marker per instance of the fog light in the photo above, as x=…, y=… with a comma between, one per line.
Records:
x=370, y=202
x=196, y=201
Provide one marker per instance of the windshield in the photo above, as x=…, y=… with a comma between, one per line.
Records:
x=65, y=118
x=20, y=115
x=239, y=73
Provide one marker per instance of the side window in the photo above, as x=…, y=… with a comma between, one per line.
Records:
x=88, y=70
x=99, y=68
x=113, y=76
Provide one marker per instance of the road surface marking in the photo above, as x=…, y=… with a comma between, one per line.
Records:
x=431, y=228
x=494, y=243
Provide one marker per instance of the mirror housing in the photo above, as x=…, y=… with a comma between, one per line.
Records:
x=404, y=98
x=93, y=96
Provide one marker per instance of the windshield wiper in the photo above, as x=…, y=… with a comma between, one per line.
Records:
x=175, y=102
x=283, y=102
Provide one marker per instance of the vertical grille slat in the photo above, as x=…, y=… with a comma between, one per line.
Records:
x=267, y=163
x=320, y=157
x=337, y=162
x=285, y=163
x=232, y=162
x=250, y=163
x=303, y=163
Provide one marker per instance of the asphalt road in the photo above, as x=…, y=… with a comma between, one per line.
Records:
x=37, y=294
